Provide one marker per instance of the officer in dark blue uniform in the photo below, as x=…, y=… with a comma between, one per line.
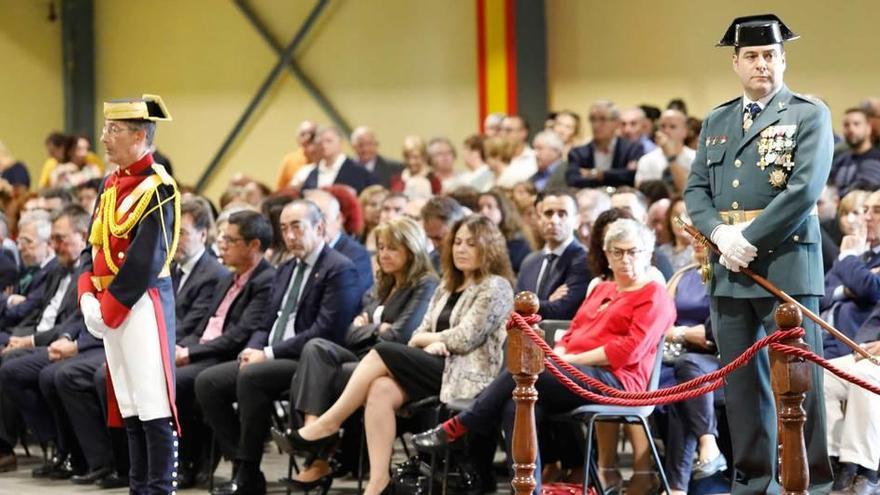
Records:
x=762, y=161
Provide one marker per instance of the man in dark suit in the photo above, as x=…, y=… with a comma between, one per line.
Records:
x=549, y=153
x=336, y=168
x=57, y=319
x=312, y=298
x=344, y=244
x=852, y=286
x=558, y=273
x=39, y=261
x=195, y=271
x=240, y=304
x=607, y=160
x=366, y=146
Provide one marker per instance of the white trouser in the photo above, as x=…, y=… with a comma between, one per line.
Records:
x=853, y=414
x=134, y=360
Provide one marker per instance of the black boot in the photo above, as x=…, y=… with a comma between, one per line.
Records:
x=137, y=455
x=162, y=455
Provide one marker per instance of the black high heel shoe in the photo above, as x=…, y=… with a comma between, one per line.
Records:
x=317, y=446
x=323, y=483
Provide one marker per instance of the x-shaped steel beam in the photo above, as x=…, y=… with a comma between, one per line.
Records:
x=285, y=59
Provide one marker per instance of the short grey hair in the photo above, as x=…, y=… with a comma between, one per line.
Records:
x=551, y=139
x=333, y=207
x=313, y=213
x=627, y=229
x=608, y=105
x=41, y=220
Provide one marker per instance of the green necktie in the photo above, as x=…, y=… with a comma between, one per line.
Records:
x=290, y=304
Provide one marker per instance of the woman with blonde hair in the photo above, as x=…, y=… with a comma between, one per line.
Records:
x=456, y=351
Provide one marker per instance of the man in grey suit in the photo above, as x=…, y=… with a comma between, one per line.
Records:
x=762, y=161
x=366, y=146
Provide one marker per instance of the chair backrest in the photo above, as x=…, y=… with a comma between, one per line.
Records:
x=552, y=330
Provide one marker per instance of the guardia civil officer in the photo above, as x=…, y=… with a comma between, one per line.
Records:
x=762, y=160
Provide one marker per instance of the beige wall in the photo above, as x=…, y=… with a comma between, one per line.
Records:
x=31, y=99
x=401, y=66
x=649, y=51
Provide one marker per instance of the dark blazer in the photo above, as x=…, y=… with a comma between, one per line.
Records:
x=350, y=174
x=870, y=329
x=385, y=170
x=327, y=304
x=850, y=312
x=360, y=257
x=68, y=322
x=193, y=300
x=517, y=249
x=34, y=298
x=569, y=269
x=619, y=174
x=404, y=310
x=245, y=315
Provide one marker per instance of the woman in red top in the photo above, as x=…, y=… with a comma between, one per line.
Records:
x=613, y=338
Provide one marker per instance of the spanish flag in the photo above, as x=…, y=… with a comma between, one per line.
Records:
x=496, y=57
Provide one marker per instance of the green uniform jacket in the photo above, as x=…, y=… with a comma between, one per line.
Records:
x=793, y=134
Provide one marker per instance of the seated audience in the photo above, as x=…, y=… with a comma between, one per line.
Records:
x=241, y=302
x=671, y=160
x=395, y=307
x=417, y=179
x=438, y=215
x=366, y=147
x=495, y=206
x=852, y=417
x=591, y=202
x=478, y=174
x=38, y=260
x=441, y=157
x=14, y=172
x=613, y=338
x=371, y=200
x=858, y=166
x=456, y=350
x=557, y=273
x=567, y=125
x=523, y=163
x=680, y=250
x=692, y=424
x=295, y=160
x=334, y=167
x=312, y=297
x=549, y=153
x=852, y=286
x=606, y=160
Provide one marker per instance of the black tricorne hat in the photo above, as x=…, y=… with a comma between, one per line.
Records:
x=757, y=30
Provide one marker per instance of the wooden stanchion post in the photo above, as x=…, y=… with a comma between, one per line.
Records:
x=524, y=361
x=791, y=378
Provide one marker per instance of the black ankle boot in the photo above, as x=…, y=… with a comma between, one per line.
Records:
x=162, y=455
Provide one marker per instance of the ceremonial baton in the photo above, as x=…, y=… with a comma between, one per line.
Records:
x=766, y=284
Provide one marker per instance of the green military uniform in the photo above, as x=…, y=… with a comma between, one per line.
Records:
x=771, y=174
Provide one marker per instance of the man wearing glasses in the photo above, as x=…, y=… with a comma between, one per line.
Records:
x=125, y=290
x=762, y=161
x=607, y=160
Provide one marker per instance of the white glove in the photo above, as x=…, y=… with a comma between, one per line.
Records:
x=733, y=245
x=726, y=263
x=91, y=310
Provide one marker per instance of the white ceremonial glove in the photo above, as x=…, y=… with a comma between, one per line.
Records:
x=91, y=310
x=733, y=245
x=726, y=263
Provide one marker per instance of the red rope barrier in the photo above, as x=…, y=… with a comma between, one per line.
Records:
x=683, y=391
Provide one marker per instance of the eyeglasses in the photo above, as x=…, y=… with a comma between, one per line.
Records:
x=618, y=254
x=228, y=240
x=116, y=129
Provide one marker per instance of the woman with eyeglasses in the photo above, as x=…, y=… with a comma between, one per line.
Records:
x=612, y=338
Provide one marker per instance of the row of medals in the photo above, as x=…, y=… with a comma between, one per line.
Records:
x=775, y=148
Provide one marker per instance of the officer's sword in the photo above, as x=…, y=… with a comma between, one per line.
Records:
x=766, y=284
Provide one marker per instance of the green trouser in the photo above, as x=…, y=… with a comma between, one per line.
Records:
x=751, y=408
